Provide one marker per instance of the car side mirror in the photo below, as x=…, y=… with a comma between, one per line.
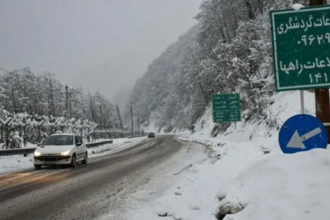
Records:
x=38, y=144
x=78, y=144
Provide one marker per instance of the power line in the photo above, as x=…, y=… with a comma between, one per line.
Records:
x=4, y=70
x=15, y=71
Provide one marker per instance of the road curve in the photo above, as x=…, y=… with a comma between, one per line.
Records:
x=81, y=193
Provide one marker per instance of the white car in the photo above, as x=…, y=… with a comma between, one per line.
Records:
x=60, y=149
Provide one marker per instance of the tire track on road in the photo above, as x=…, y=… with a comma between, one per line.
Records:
x=26, y=178
x=83, y=192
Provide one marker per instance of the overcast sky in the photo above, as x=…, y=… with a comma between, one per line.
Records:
x=100, y=44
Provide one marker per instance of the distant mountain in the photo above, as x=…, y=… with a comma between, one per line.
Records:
x=228, y=51
x=107, y=78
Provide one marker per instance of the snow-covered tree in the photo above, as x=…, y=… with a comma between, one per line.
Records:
x=28, y=99
x=229, y=50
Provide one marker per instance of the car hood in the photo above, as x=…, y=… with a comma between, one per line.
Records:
x=54, y=149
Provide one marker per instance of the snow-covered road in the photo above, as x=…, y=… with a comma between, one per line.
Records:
x=108, y=187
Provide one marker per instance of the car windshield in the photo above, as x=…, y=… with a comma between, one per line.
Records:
x=58, y=140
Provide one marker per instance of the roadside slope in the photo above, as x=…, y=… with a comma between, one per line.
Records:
x=199, y=194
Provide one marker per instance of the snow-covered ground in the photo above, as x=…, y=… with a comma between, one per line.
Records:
x=19, y=162
x=292, y=187
x=242, y=172
x=15, y=163
x=246, y=173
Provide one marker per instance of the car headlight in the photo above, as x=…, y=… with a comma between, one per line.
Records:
x=65, y=153
x=37, y=153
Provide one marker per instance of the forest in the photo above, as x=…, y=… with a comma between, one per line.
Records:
x=229, y=50
x=39, y=104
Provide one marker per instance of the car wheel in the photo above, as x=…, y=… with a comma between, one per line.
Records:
x=85, y=159
x=73, y=161
x=37, y=167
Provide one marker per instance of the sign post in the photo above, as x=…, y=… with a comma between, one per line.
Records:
x=302, y=102
x=299, y=41
x=226, y=108
x=322, y=95
x=301, y=59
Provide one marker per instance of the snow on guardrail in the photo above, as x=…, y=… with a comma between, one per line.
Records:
x=26, y=151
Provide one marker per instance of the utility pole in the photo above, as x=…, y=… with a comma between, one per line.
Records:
x=322, y=104
x=138, y=120
x=70, y=107
x=120, y=121
x=132, y=125
x=101, y=117
x=105, y=116
x=66, y=102
x=82, y=101
x=91, y=107
x=51, y=96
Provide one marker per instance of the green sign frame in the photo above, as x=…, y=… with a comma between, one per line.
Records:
x=301, y=48
x=226, y=108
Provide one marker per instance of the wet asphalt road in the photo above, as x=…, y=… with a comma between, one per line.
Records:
x=85, y=192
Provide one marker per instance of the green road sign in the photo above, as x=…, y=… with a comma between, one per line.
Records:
x=301, y=48
x=226, y=108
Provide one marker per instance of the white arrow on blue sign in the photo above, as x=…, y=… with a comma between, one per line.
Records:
x=302, y=133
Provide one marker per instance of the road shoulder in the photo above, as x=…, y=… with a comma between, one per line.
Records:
x=160, y=184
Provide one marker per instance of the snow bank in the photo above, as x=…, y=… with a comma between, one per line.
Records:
x=242, y=146
x=15, y=163
x=247, y=169
x=293, y=187
x=198, y=184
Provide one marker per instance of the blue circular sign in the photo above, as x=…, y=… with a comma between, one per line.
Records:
x=302, y=133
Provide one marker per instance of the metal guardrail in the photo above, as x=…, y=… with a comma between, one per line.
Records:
x=20, y=151
x=96, y=144
x=26, y=151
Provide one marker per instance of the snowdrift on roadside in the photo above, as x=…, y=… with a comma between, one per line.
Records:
x=286, y=187
x=117, y=145
x=246, y=164
x=246, y=144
